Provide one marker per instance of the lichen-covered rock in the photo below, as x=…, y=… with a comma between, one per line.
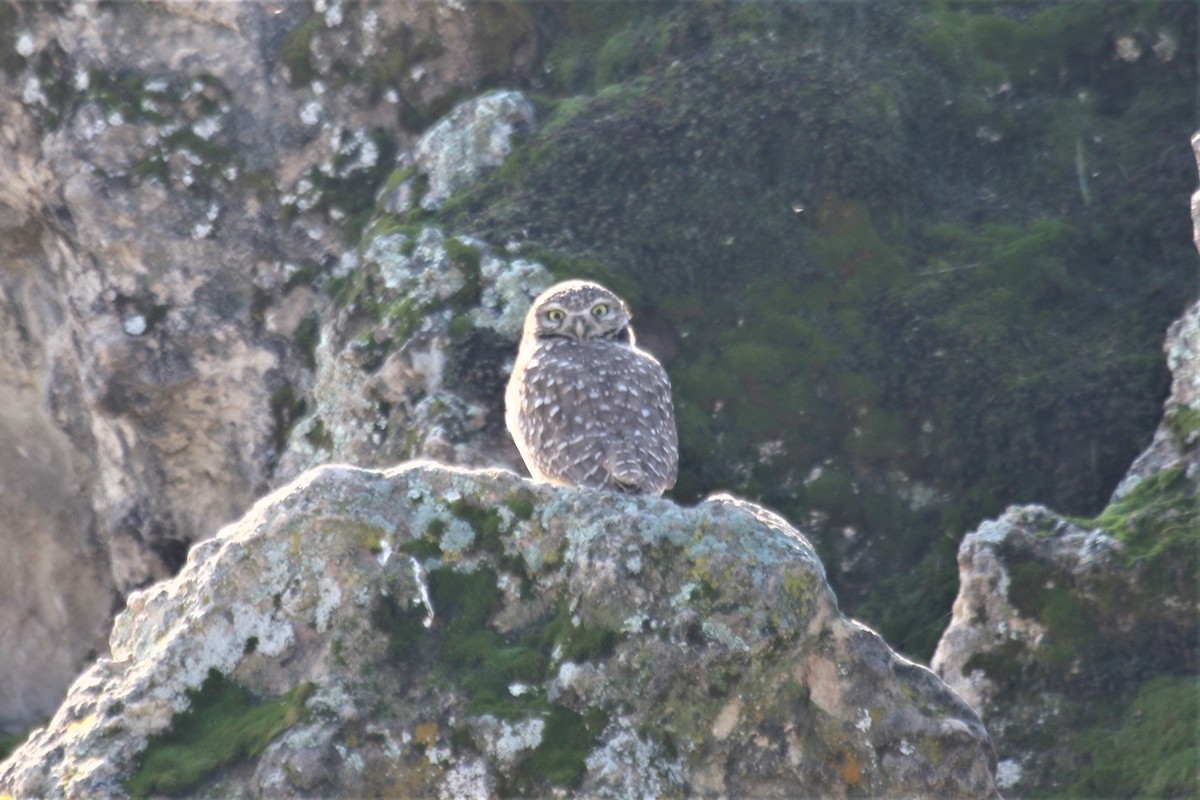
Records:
x=410, y=364
x=1177, y=440
x=476, y=136
x=178, y=184
x=1070, y=635
x=431, y=631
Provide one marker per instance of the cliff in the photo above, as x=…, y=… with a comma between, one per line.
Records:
x=428, y=631
x=905, y=265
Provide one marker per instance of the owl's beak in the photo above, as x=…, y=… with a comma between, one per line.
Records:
x=579, y=328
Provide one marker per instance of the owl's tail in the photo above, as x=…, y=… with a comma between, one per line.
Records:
x=626, y=472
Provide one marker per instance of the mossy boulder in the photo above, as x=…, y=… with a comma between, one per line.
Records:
x=427, y=630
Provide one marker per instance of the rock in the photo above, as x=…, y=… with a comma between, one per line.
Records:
x=1176, y=442
x=412, y=362
x=175, y=194
x=429, y=631
x=475, y=136
x=1061, y=625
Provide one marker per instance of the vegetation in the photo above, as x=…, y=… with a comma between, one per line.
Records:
x=895, y=320
x=222, y=725
x=1152, y=753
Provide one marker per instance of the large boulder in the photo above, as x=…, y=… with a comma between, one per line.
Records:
x=432, y=631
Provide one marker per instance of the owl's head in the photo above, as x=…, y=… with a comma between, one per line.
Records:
x=579, y=311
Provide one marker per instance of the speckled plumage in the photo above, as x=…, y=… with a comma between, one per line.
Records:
x=585, y=406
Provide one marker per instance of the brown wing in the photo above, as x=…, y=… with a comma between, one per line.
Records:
x=602, y=416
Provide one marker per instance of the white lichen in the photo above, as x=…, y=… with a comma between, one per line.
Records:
x=135, y=325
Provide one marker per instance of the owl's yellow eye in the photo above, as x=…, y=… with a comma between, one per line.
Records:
x=556, y=315
x=600, y=309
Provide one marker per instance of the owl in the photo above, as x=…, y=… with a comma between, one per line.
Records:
x=585, y=406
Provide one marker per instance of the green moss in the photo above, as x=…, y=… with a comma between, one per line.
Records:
x=483, y=662
x=306, y=338
x=577, y=643
x=1184, y=422
x=1040, y=593
x=521, y=503
x=564, y=111
x=487, y=522
x=286, y=410
x=404, y=317
x=319, y=436
x=222, y=725
x=1152, y=753
x=366, y=535
x=404, y=627
x=296, y=51
x=561, y=756
x=1003, y=664
x=467, y=259
x=587, y=29
x=1159, y=515
x=704, y=591
x=10, y=743
x=427, y=546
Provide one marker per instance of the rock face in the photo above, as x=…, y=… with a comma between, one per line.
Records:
x=474, y=137
x=1071, y=635
x=174, y=194
x=434, y=631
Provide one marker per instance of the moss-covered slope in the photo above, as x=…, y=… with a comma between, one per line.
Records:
x=907, y=264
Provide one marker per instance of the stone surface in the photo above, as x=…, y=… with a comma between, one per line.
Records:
x=1177, y=440
x=477, y=135
x=473, y=633
x=176, y=190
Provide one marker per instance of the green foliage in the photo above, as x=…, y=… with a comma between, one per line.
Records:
x=1152, y=753
x=222, y=725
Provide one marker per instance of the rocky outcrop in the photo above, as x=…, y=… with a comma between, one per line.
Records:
x=1076, y=640
x=431, y=631
x=178, y=185
x=475, y=136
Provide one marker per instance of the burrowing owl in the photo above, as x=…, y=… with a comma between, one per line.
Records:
x=585, y=406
